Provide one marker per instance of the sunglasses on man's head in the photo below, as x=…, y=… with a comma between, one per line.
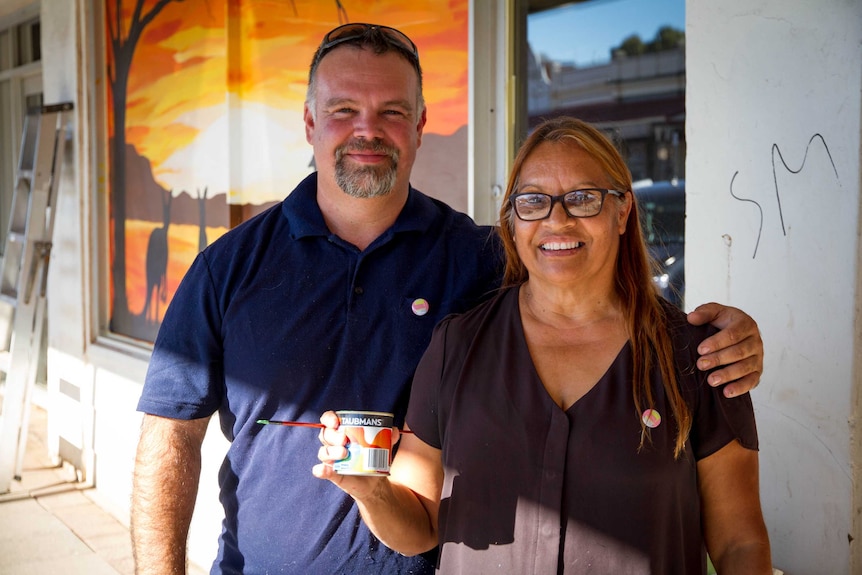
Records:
x=357, y=30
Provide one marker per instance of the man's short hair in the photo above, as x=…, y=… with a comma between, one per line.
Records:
x=374, y=37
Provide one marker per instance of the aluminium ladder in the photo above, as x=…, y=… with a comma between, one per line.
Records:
x=24, y=274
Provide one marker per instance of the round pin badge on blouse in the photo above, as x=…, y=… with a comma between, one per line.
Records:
x=651, y=418
x=420, y=306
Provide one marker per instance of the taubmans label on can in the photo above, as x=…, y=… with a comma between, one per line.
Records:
x=369, y=442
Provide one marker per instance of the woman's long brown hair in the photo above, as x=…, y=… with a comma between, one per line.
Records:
x=647, y=323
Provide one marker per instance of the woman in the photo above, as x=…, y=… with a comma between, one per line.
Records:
x=561, y=427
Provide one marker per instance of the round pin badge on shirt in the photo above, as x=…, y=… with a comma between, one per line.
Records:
x=651, y=418
x=420, y=306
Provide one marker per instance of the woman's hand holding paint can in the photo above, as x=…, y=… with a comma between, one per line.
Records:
x=357, y=445
x=401, y=509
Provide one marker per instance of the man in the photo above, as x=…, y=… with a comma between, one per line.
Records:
x=326, y=301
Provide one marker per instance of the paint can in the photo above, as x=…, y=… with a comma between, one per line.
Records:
x=369, y=442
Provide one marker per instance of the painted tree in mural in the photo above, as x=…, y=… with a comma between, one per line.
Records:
x=124, y=38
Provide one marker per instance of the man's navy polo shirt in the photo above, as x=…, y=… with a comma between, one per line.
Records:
x=280, y=319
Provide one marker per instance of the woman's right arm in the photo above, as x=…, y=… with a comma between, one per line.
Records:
x=734, y=530
x=401, y=510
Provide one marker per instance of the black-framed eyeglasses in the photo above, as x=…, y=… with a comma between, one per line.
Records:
x=584, y=203
x=356, y=30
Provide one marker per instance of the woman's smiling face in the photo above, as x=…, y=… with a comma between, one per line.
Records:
x=561, y=249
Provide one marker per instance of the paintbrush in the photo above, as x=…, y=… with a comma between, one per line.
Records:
x=303, y=424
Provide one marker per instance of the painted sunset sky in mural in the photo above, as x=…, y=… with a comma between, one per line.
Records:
x=208, y=96
x=217, y=88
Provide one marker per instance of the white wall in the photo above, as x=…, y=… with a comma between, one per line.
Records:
x=764, y=78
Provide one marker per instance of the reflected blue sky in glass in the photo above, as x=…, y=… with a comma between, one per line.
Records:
x=584, y=33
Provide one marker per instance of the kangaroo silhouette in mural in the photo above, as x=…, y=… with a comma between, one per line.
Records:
x=157, y=261
x=202, y=208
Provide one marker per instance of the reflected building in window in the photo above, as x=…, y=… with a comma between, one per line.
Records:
x=639, y=100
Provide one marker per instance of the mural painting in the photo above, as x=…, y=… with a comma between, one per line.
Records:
x=205, y=101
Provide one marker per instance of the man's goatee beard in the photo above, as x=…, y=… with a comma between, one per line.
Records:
x=366, y=181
